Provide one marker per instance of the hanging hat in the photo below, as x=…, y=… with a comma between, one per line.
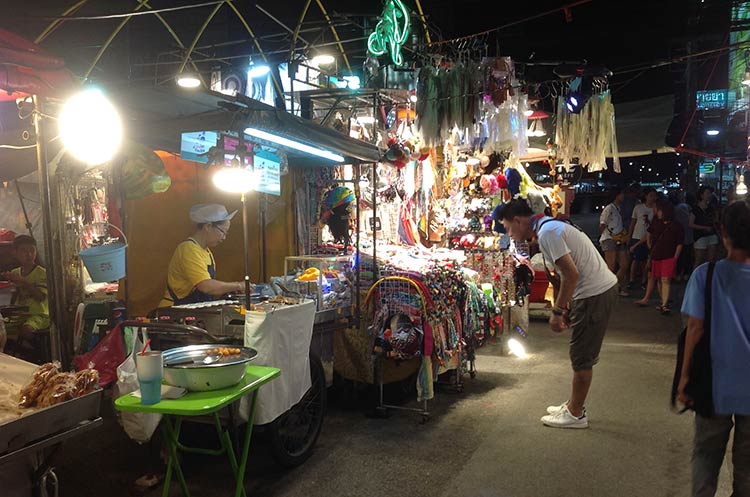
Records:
x=335, y=198
x=514, y=181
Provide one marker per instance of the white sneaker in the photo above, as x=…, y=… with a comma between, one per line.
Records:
x=563, y=419
x=556, y=409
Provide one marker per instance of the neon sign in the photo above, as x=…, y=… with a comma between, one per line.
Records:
x=391, y=32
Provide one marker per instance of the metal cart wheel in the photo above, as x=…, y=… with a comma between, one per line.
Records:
x=294, y=433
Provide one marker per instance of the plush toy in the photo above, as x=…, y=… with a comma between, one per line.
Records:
x=536, y=201
x=514, y=181
x=488, y=184
x=497, y=226
x=502, y=181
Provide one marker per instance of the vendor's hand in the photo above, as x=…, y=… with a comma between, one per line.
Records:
x=632, y=249
x=558, y=323
x=681, y=395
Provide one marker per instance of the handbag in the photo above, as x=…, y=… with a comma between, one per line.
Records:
x=700, y=377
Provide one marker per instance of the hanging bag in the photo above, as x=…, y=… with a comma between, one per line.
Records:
x=139, y=426
x=700, y=383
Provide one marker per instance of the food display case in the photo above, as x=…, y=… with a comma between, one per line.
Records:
x=325, y=279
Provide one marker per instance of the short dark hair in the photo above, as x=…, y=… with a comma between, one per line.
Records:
x=703, y=188
x=614, y=192
x=516, y=207
x=24, y=240
x=735, y=220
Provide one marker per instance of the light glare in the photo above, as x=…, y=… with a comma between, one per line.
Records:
x=235, y=179
x=517, y=348
x=90, y=127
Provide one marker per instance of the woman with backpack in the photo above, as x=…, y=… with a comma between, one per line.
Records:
x=729, y=326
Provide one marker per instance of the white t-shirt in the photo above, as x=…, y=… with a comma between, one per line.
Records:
x=557, y=238
x=643, y=216
x=612, y=219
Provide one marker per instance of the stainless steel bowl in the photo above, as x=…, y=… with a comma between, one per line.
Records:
x=184, y=367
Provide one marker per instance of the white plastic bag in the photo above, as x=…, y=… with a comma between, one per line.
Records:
x=139, y=426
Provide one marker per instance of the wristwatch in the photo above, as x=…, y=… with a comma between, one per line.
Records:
x=558, y=312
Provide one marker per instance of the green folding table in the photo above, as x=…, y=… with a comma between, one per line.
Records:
x=202, y=404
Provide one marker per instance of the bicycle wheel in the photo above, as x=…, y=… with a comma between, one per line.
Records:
x=294, y=433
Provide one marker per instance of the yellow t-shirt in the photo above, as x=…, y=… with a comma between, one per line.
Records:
x=187, y=268
x=39, y=310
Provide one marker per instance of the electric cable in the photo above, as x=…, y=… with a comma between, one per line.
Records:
x=118, y=16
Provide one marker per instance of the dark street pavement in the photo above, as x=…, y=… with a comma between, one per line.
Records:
x=487, y=441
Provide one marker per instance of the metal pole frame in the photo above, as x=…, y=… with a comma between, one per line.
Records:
x=335, y=35
x=141, y=3
x=55, y=293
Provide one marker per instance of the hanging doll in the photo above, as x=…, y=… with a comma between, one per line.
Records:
x=334, y=212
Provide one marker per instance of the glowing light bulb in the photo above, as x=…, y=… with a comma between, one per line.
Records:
x=90, y=127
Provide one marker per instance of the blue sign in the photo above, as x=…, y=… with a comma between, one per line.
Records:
x=268, y=168
x=195, y=145
x=714, y=99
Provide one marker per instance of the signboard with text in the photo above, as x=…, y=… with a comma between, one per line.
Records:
x=714, y=99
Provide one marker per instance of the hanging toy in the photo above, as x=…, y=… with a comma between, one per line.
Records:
x=488, y=184
x=551, y=157
x=514, y=181
x=524, y=188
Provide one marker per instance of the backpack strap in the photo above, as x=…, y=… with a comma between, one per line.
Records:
x=707, y=296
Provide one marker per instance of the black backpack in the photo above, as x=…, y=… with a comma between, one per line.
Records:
x=700, y=382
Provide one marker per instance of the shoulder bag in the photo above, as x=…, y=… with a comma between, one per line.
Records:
x=700, y=382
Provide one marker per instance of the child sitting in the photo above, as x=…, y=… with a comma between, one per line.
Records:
x=30, y=280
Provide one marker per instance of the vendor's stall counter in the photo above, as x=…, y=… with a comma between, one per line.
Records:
x=199, y=404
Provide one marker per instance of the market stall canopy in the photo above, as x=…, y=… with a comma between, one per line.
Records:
x=27, y=69
x=641, y=128
x=157, y=118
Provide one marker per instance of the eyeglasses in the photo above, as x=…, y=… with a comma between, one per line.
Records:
x=223, y=232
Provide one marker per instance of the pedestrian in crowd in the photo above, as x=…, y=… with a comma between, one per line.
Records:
x=703, y=222
x=682, y=216
x=730, y=357
x=632, y=198
x=584, y=303
x=665, y=242
x=643, y=213
x=613, y=239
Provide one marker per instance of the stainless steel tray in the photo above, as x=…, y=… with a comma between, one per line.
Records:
x=49, y=421
x=176, y=357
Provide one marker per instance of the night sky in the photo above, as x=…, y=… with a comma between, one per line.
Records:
x=624, y=36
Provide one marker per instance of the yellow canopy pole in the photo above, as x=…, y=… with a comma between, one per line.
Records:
x=276, y=82
x=109, y=42
x=424, y=21
x=297, y=28
x=336, y=35
x=54, y=23
x=198, y=36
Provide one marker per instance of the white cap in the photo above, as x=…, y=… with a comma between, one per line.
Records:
x=210, y=213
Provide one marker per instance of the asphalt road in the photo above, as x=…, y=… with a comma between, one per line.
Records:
x=485, y=442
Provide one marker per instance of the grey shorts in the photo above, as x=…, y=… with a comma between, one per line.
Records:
x=611, y=245
x=589, y=318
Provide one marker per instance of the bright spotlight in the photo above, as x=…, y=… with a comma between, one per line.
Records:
x=323, y=60
x=712, y=132
x=188, y=80
x=258, y=71
x=517, y=348
x=235, y=179
x=90, y=127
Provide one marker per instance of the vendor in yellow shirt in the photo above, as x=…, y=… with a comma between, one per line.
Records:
x=191, y=276
x=30, y=281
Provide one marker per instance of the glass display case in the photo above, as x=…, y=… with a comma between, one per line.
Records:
x=325, y=279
